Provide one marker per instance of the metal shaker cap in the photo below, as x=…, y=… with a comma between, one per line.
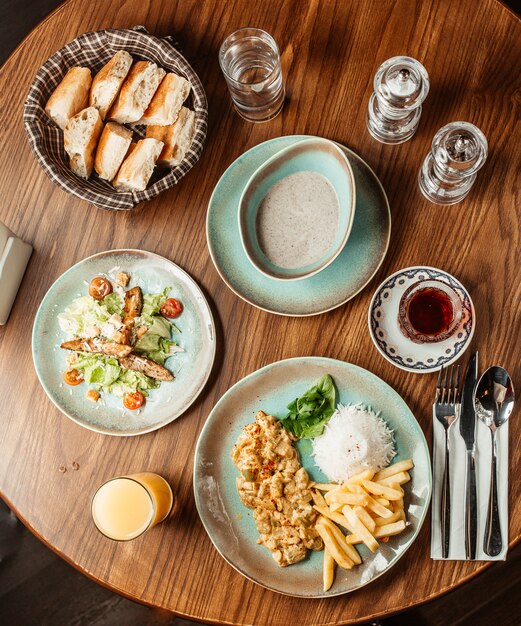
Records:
x=460, y=147
x=401, y=83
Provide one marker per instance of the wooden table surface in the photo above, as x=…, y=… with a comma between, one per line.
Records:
x=330, y=51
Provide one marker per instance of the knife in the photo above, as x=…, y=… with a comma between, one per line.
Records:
x=467, y=426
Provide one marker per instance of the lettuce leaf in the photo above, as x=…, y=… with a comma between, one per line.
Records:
x=160, y=326
x=309, y=413
x=152, y=303
x=154, y=347
x=106, y=374
x=85, y=312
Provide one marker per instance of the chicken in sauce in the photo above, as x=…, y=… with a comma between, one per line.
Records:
x=277, y=488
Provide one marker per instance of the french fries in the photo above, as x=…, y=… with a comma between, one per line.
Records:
x=329, y=569
x=369, y=507
x=335, y=549
x=396, y=468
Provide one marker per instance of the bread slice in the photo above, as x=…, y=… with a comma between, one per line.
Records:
x=70, y=97
x=137, y=91
x=167, y=101
x=112, y=149
x=137, y=168
x=176, y=137
x=107, y=82
x=81, y=136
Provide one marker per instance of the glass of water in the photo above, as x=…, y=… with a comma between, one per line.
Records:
x=250, y=61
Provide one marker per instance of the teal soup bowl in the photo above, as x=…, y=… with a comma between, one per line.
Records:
x=296, y=211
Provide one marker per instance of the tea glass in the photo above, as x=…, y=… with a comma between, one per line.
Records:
x=430, y=311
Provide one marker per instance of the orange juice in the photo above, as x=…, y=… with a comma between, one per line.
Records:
x=125, y=507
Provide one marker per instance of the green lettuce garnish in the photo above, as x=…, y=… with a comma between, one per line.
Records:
x=152, y=304
x=104, y=373
x=85, y=312
x=155, y=343
x=309, y=413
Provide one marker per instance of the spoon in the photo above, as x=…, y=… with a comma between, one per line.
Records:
x=493, y=401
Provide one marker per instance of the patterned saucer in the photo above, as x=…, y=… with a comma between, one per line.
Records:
x=394, y=346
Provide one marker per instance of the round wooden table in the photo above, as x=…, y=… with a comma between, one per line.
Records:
x=330, y=51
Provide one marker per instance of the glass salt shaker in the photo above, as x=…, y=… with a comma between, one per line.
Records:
x=401, y=84
x=458, y=151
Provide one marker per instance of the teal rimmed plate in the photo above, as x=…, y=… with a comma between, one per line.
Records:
x=346, y=276
x=230, y=525
x=191, y=368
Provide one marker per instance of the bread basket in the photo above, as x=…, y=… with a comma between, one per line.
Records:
x=93, y=50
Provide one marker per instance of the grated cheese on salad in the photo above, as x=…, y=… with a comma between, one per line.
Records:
x=355, y=438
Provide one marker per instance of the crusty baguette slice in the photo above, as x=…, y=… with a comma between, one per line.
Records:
x=112, y=149
x=70, y=97
x=167, y=101
x=176, y=137
x=81, y=136
x=137, y=92
x=137, y=168
x=107, y=82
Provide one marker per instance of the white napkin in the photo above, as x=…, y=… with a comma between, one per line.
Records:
x=14, y=256
x=457, y=488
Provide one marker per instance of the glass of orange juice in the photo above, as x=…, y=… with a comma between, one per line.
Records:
x=125, y=507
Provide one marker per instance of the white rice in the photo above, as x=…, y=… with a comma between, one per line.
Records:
x=355, y=439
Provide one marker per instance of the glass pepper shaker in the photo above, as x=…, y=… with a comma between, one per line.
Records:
x=458, y=151
x=401, y=84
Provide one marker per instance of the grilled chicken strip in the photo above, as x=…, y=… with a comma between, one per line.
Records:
x=145, y=366
x=101, y=347
x=133, y=305
x=132, y=309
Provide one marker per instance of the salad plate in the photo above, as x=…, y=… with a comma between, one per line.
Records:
x=346, y=276
x=230, y=525
x=194, y=334
x=394, y=346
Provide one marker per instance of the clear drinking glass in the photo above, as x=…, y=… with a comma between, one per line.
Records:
x=250, y=61
x=125, y=507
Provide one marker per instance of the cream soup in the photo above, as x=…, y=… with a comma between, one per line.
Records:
x=297, y=220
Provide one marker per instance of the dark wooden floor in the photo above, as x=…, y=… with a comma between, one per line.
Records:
x=37, y=588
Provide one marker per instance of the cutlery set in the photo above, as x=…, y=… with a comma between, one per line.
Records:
x=489, y=399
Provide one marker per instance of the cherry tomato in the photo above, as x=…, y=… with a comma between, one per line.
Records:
x=171, y=308
x=72, y=377
x=133, y=401
x=99, y=288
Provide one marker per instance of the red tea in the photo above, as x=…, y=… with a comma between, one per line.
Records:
x=430, y=311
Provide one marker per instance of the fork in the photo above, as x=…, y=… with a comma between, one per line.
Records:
x=447, y=407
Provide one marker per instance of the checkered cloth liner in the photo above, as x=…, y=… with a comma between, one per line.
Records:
x=93, y=50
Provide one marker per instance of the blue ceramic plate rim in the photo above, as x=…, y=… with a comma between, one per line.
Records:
x=222, y=274
x=328, y=258
x=427, y=370
x=200, y=464
x=47, y=304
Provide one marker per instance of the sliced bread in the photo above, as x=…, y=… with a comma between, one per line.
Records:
x=70, y=97
x=81, y=136
x=107, y=82
x=136, y=93
x=176, y=137
x=137, y=168
x=112, y=150
x=167, y=101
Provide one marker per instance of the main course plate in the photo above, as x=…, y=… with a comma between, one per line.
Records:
x=230, y=525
